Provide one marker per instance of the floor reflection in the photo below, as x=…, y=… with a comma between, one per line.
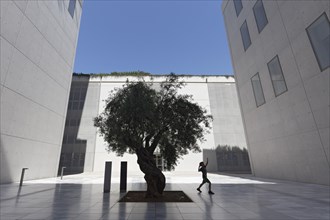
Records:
x=248, y=199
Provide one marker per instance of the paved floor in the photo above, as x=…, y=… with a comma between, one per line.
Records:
x=81, y=197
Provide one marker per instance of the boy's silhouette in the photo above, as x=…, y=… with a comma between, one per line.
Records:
x=202, y=168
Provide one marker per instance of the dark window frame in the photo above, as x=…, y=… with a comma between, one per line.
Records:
x=236, y=6
x=255, y=17
x=72, y=7
x=276, y=57
x=262, y=90
x=248, y=32
x=311, y=42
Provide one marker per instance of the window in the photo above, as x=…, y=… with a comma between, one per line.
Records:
x=276, y=74
x=72, y=7
x=260, y=15
x=76, y=95
x=82, y=159
x=75, y=105
x=72, y=122
x=257, y=90
x=238, y=6
x=65, y=137
x=319, y=36
x=70, y=105
x=70, y=139
x=83, y=95
x=81, y=105
x=75, y=159
x=245, y=36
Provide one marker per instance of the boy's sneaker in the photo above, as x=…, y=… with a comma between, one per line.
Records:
x=210, y=192
x=199, y=190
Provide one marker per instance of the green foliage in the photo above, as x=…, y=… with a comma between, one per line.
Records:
x=228, y=148
x=139, y=116
x=232, y=158
x=131, y=73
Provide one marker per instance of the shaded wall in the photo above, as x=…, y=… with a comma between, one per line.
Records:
x=38, y=43
x=73, y=150
x=80, y=134
x=288, y=136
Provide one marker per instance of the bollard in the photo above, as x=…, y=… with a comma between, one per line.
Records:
x=123, y=176
x=22, y=176
x=107, y=177
x=62, y=171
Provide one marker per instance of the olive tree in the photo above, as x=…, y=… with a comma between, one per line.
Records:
x=139, y=119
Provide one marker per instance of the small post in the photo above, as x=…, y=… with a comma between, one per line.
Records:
x=62, y=171
x=107, y=177
x=123, y=176
x=22, y=176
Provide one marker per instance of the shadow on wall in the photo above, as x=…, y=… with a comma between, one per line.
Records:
x=5, y=172
x=73, y=148
x=230, y=159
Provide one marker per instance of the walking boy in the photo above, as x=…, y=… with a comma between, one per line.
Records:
x=202, y=168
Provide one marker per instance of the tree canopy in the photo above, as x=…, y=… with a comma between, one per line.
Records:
x=139, y=115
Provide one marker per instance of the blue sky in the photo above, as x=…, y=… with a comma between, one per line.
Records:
x=184, y=37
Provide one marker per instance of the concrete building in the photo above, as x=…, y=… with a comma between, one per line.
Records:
x=280, y=54
x=38, y=44
x=84, y=150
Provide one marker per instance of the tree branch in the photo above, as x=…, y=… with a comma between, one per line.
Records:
x=129, y=142
x=147, y=140
x=156, y=140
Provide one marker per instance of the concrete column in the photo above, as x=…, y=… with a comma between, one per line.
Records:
x=107, y=177
x=123, y=176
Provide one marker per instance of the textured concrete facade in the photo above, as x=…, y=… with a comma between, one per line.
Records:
x=288, y=134
x=217, y=94
x=38, y=43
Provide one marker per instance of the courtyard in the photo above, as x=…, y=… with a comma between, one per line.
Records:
x=236, y=197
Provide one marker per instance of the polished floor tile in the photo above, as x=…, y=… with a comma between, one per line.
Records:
x=81, y=197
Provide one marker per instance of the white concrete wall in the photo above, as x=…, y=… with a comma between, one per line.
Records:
x=38, y=42
x=101, y=154
x=288, y=136
x=227, y=120
x=221, y=87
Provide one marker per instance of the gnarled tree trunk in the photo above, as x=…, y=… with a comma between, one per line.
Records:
x=154, y=177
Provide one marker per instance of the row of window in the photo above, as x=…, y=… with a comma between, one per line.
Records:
x=260, y=17
x=71, y=139
x=319, y=36
x=76, y=105
x=72, y=122
x=73, y=159
x=278, y=81
x=78, y=93
x=318, y=32
x=77, y=96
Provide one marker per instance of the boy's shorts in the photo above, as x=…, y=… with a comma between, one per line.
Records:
x=206, y=180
